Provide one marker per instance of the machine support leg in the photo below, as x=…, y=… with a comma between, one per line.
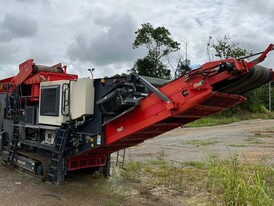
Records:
x=106, y=168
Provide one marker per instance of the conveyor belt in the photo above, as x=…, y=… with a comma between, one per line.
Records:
x=225, y=95
x=256, y=77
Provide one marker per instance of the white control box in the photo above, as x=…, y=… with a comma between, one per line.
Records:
x=81, y=98
x=51, y=102
x=62, y=100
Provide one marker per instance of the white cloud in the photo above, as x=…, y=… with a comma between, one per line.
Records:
x=100, y=34
x=17, y=27
x=111, y=43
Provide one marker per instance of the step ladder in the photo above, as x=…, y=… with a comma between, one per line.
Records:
x=14, y=105
x=57, y=168
x=120, y=159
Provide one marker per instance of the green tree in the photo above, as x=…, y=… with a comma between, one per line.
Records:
x=183, y=67
x=159, y=44
x=225, y=48
x=119, y=75
x=147, y=67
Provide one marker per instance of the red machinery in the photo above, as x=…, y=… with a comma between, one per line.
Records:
x=53, y=122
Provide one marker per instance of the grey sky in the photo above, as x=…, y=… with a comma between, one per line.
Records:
x=85, y=34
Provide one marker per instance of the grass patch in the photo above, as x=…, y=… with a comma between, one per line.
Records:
x=160, y=159
x=269, y=129
x=221, y=119
x=251, y=139
x=254, y=139
x=199, y=142
x=118, y=191
x=265, y=135
x=176, y=178
x=258, y=142
x=237, y=145
x=195, y=164
x=215, y=182
x=212, y=121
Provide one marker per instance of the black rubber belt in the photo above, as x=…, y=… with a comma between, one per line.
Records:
x=256, y=77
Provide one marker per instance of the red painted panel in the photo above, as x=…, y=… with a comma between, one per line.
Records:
x=81, y=162
x=25, y=69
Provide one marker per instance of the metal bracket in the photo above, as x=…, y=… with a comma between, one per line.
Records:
x=261, y=57
x=168, y=103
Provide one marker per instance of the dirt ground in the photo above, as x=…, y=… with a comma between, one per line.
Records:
x=251, y=140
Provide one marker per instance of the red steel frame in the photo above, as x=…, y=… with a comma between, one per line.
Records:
x=28, y=76
x=152, y=109
x=86, y=162
x=154, y=116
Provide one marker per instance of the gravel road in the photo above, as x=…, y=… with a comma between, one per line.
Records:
x=252, y=140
